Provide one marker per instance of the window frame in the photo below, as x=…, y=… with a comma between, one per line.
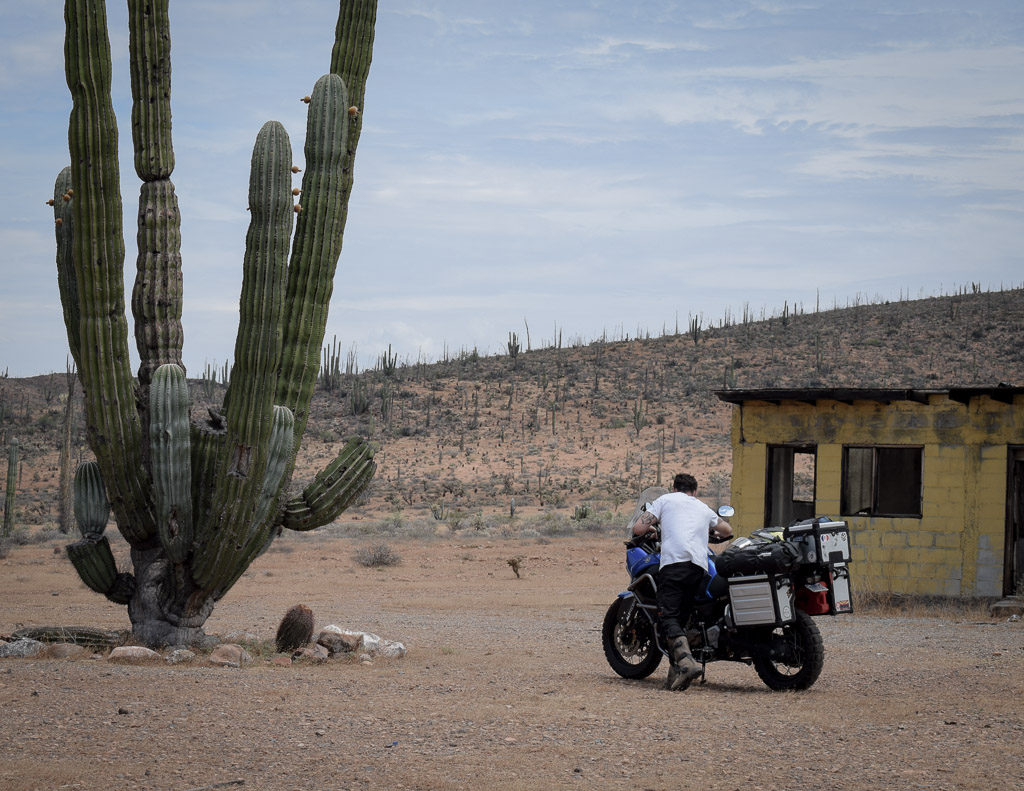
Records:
x=879, y=466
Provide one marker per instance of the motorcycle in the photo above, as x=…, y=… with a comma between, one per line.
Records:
x=758, y=606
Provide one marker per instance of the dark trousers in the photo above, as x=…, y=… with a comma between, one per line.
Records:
x=678, y=584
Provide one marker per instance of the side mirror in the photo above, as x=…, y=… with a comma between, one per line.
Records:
x=725, y=511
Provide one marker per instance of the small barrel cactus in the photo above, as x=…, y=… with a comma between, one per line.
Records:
x=295, y=629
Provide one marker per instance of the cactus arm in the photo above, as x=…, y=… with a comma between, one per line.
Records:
x=310, y=280
x=92, y=511
x=64, y=228
x=317, y=244
x=149, y=43
x=157, y=294
x=333, y=489
x=98, y=250
x=12, y=485
x=94, y=563
x=170, y=456
x=279, y=455
x=80, y=635
x=242, y=458
x=352, y=52
x=263, y=530
x=91, y=556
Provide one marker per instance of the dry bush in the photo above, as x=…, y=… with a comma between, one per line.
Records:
x=376, y=555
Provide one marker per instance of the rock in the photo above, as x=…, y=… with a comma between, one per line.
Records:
x=391, y=649
x=339, y=642
x=315, y=653
x=230, y=655
x=369, y=643
x=179, y=656
x=132, y=653
x=67, y=651
x=22, y=648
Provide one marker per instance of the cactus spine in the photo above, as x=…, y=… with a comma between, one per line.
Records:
x=199, y=501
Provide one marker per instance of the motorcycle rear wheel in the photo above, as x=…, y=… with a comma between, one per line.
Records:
x=800, y=668
x=629, y=641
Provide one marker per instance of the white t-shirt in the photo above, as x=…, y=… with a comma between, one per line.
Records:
x=685, y=522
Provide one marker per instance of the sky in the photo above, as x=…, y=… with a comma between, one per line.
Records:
x=568, y=169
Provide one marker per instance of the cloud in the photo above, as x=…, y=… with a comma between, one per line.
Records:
x=622, y=47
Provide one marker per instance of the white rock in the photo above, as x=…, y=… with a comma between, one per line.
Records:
x=370, y=644
x=391, y=649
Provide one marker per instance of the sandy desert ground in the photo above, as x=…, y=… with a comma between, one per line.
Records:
x=504, y=686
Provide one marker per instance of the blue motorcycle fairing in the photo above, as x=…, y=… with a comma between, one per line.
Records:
x=639, y=561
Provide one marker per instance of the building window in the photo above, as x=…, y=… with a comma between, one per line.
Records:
x=882, y=481
x=790, y=486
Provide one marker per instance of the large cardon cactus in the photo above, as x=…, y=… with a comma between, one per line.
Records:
x=198, y=500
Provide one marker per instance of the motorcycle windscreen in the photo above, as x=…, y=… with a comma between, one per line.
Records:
x=648, y=495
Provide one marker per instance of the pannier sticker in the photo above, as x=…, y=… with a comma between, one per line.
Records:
x=843, y=605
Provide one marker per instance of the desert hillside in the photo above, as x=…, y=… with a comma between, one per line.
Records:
x=577, y=423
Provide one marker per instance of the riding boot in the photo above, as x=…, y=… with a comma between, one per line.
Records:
x=684, y=668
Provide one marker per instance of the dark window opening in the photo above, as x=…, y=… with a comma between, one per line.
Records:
x=882, y=481
x=790, y=490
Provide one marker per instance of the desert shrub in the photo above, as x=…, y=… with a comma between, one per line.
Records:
x=19, y=537
x=603, y=521
x=553, y=524
x=376, y=555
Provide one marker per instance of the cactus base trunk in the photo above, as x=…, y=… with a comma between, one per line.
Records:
x=166, y=610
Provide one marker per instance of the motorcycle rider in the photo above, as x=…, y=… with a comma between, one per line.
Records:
x=686, y=524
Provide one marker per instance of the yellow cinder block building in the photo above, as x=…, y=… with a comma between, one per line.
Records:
x=931, y=482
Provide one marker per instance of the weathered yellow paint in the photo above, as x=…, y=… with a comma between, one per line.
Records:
x=956, y=547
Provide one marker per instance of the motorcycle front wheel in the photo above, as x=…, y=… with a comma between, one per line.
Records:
x=797, y=655
x=628, y=639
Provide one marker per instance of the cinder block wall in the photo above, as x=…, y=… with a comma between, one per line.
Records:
x=956, y=547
